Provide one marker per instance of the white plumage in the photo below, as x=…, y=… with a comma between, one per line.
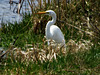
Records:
x=52, y=31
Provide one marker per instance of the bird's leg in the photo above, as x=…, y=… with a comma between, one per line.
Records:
x=48, y=43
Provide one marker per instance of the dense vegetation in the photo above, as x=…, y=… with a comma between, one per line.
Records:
x=78, y=20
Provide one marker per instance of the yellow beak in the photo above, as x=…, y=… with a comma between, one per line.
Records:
x=41, y=12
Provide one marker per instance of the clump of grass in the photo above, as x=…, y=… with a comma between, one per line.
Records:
x=72, y=63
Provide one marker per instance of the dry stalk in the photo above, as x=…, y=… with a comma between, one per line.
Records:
x=35, y=54
x=80, y=46
x=6, y=52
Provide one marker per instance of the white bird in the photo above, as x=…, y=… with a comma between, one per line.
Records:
x=52, y=31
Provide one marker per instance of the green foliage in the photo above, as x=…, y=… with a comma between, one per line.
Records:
x=92, y=57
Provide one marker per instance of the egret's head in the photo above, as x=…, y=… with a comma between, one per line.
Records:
x=48, y=12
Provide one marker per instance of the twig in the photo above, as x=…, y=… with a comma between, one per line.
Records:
x=6, y=52
x=95, y=29
x=15, y=40
x=58, y=23
x=18, y=9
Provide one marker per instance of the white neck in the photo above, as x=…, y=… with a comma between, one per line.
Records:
x=52, y=22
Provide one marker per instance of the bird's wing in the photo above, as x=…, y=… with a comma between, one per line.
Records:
x=56, y=33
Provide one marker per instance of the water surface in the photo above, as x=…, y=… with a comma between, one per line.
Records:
x=7, y=14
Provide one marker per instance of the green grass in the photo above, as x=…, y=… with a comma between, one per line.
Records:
x=85, y=62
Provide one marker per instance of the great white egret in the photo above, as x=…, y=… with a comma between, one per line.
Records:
x=52, y=31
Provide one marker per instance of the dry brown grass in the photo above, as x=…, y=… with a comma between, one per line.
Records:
x=47, y=53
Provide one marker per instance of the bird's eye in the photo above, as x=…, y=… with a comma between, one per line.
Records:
x=47, y=12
